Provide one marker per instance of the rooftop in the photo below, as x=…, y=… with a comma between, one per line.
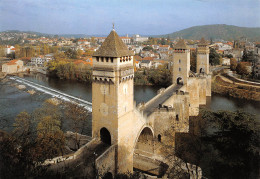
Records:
x=113, y=46
x=203, y=42
x=181, y=45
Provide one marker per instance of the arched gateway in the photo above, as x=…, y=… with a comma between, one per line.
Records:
x=105, y=136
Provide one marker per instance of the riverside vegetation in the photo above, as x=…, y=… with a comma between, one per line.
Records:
x=66, y=69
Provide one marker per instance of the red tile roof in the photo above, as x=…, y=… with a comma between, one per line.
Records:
x=12, y=62
x=148, y=58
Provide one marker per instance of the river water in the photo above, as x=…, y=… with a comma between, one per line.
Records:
x=13, y=100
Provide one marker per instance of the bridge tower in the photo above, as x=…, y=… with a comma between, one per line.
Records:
x=181, y=63
x=112, y=99
x=203, y=57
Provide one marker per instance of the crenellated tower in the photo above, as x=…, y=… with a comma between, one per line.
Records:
x=181, y=63
x=112, y=98
x=203, y=57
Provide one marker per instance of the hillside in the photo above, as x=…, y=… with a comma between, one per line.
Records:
x=39, y=34
x=221, y=31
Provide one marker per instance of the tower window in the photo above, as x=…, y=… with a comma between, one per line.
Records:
x=102, y=59
x=112, y=59
x=180, y=61
x=179, y=69
x=97, y=59
x=120, y=59
x=177, y=117
x=106, y=59
x=159, y=138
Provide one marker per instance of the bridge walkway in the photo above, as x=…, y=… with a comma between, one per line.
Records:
x=160, y=99
x=83, y=164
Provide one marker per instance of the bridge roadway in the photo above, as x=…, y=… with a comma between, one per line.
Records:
x=54, y=92
x=154, y=103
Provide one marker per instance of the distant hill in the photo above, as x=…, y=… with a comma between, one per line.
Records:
x=220, y=31
x=39, y=34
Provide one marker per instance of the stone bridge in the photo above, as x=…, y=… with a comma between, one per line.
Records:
x=126, y=136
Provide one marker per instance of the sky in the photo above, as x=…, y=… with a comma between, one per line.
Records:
x=145, y=17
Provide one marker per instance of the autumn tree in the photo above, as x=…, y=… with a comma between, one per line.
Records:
x=233, y=64
x=50, y=138
x=2, y=51
x=17, y=150
x=241, y=69
x=77, y=117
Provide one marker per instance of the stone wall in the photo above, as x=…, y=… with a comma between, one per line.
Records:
x=106, y=162
x=193, y=89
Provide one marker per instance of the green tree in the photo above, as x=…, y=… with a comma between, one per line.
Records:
x=224, y=144
x=214, y=57
x=236, y=138
x=147, y=48
x=72, y=54
x=193, y=61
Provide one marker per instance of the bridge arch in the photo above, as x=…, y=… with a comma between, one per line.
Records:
x=145, y=140
x=105, y=136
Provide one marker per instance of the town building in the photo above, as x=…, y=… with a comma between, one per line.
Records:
x=138, y=39
x=226, y=61
x=14, y=66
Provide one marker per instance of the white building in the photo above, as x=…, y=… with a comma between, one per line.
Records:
x=38, y=61
x=9, y=49
x=138, y=38
x=226, y=61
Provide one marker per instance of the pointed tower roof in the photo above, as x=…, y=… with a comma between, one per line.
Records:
x=113, y=46
x=181, y=45
x=203, y=42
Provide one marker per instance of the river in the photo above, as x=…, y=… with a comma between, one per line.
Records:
x=13, y=100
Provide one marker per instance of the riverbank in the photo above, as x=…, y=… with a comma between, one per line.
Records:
x=224, y=86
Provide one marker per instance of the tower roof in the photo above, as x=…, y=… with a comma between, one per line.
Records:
x=203, y=42
x=181, y=45
x=113, y=46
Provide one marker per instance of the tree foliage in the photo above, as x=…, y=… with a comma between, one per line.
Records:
x=241, y=69
x=71, y=54
x=225, y=144
x=77, y=117
x=233, y=64
x=147, y=48
x=35, y=138
x=160, y=76
x=66, y=69
x=214, y=57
